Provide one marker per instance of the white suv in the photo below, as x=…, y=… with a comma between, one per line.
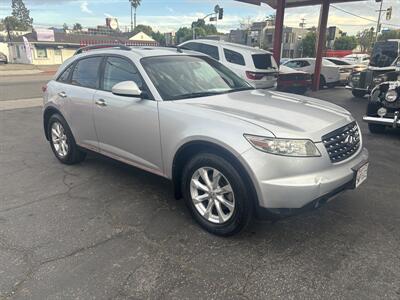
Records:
x=256, y=66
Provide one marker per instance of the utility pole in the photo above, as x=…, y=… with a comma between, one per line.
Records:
x=303, y=23
x=378, y=24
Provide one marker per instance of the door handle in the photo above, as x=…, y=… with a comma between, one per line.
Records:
x=101, y=102
x=62, y=94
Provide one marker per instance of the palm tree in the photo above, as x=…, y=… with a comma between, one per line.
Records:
x=134, y=5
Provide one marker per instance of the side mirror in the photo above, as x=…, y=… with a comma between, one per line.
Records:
x=126, y=88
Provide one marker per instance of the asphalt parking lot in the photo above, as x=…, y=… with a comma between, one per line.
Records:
x=103, y=230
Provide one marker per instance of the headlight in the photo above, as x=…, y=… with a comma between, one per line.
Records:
x=380, y=79
x=391, y=96
x=285, y=147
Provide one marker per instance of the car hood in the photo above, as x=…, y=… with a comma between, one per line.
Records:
x=284, y=115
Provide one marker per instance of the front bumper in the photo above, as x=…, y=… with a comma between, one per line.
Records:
x=394, y=122
x=290, y=183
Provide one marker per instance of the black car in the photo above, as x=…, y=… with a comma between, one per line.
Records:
x=384, y=106
x=3, y=58
x=385, y=59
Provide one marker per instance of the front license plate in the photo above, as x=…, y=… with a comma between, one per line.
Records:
x=361, y=175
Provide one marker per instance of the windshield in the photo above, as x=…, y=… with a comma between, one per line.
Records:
x=384, y=54
x=339, y=62
x=326, y=62
x=182, y=77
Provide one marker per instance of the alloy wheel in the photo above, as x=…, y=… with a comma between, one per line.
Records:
x=59, y=139
x=212, y=195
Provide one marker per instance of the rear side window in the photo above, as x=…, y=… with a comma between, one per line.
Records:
x=119, y=70
x=86, y=72
x=234, y=57
x=209, y=50
x=263, y=61
x=191, y=46
x=64, y=77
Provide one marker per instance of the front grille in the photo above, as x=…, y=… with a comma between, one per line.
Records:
x=343, y=142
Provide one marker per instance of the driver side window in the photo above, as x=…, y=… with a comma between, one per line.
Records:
x=118, y=70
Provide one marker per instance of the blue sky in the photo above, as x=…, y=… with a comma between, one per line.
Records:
x=169, y=15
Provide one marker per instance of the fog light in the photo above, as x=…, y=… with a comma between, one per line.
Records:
x=382, y=112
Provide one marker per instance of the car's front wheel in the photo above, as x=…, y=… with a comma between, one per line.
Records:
x=62, y=141
x=376, y=128
x=216, y=194
x=358, y=93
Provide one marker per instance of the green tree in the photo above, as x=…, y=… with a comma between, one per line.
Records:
x=345, y=43
x=143, y=28
x=205, y=29
x=21, y=13
x=159, y=37
x=11, y=23
x=65, y=26
x=308, y=44
x=77, y=27
x=389, y=34
x=183, y=34
x=365, y=39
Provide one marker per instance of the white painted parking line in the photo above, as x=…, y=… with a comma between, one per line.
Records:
x=20, y=103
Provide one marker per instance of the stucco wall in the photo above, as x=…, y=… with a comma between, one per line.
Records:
x=53, y=57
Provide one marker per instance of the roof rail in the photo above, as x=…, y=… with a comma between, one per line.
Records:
x=101, y=46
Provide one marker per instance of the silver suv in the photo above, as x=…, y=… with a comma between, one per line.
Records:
x=232, y=152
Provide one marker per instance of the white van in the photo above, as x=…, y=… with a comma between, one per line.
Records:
x=256, y=66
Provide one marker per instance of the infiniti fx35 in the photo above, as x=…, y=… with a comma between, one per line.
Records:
x=233, y=152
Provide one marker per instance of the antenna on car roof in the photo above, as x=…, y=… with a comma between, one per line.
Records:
x=102, y=46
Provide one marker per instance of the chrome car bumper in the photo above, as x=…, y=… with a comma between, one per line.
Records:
x=286, y=183
x=394, y=122
x=349, y=87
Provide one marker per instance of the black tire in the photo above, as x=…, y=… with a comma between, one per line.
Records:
x=322, y=81
x=373, y=105
x=244, y=205
x=376, y=128
x=331, y=85
x=74, y=154
x=358, y=93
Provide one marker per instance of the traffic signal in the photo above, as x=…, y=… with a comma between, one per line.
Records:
x=389, y=13
x=220, y=14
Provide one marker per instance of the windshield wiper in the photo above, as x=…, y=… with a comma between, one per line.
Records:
x=196, y=95
x=240, y=89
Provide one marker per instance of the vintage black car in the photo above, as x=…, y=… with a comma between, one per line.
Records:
x=384, y=106
x=385, y=60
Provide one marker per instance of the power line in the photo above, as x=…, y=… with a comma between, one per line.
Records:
x=361, y=17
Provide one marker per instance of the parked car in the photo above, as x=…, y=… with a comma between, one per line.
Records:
x=330, y=75
x=294, y=81
x=358, y=58
x=346, y=68
x=3, y=58
x=256, y=66
x=385, y=59
x=231, y=151
x=384, y=106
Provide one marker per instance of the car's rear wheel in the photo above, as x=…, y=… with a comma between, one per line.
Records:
x=322, y=81
x=358, y=93
x=216, y=195
x=62, y=141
